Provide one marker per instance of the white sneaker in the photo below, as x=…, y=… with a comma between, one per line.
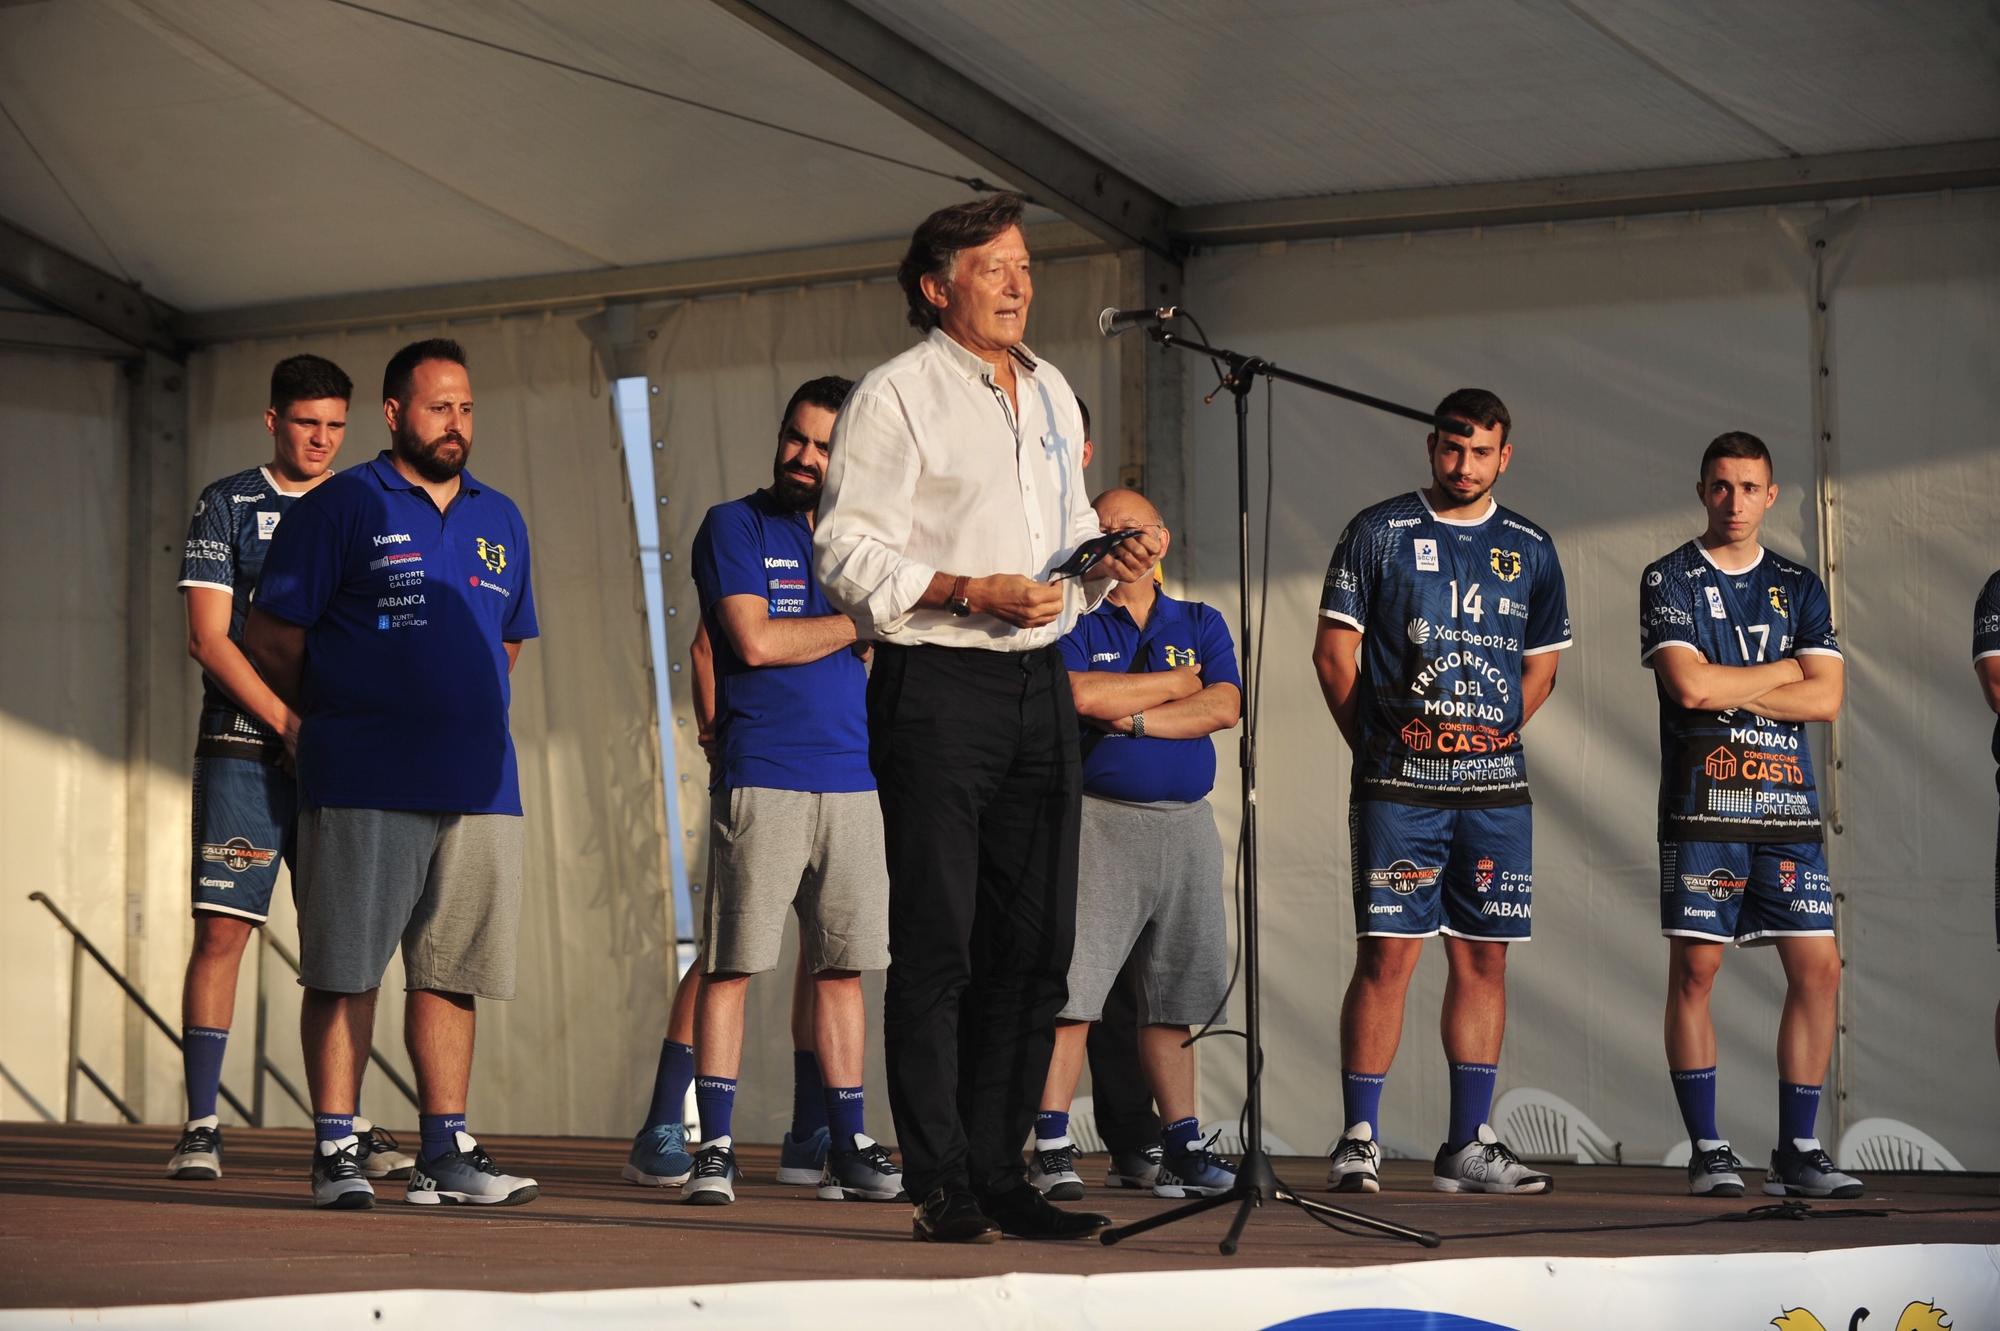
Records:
x=1134, y=1169
x=1804, y=1169
x=467, y=1177
x=1357, y=1161
x=337, y=1181
x=1712, y=1170
x=198, y=1154
x=1484, y=1164
x=713, y=1182
x=382, y=1156
x=1053, y=1170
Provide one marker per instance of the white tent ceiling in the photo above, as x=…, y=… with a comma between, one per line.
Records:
x=230, y=153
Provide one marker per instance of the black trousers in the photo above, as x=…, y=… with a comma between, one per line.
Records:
x=1123, y=1103
x=975, y=757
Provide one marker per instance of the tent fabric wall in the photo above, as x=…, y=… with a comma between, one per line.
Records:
x=1622, y=347
x=574, y=1053
x=722, y=370
x=62, y=717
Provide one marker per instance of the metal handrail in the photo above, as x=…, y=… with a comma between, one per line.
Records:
x=374, y=1055
x=80, y=944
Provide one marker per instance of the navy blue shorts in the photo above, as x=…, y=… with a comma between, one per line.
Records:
x=1719, y=890
x=245, y=819
x=1420, y=871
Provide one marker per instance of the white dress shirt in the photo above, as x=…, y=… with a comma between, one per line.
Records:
x=933, y=468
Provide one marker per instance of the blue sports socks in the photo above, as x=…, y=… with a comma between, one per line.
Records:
x=844, y=1116
x=1694, y=1091
x=809, y=1097
x=1180, y=1135
x=201, y=1063
x=439, y=1134
x=1798, y=1112
x=670, y=1085
x=1361, y=1097
x=332, y=1127
x=1051, y=1125
x=715, y=1101
x=1471, y=1100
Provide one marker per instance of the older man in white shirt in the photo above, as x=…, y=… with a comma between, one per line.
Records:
x=953, y=494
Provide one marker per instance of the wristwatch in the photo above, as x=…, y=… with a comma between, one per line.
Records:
x=960, y=606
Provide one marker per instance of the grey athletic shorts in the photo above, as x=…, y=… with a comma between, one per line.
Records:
x=770, y=851
x=447, y=886
x=1149, y=887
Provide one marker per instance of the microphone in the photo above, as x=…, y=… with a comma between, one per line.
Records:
x=1112, y=322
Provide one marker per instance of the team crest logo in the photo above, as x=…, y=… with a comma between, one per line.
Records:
x=1417, y=735
x=1788, y=874
x=1180, y=656
x=1720, y=765
x=493, y=555
x=1780, y=602
x=1506, y=564
x=237, y=854
x=1482, y=875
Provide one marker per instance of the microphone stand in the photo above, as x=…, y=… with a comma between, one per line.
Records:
x=1255, y=1181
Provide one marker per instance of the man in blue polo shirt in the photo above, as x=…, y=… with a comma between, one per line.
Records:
x=795, y=822
x=394, y=603
x=1153, y=678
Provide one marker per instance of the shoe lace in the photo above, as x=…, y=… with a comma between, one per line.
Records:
x=380, y=1141
x=1817, y=1158
x=342, y=1164
x=1499, y=1153
x=198, y=1139
x=481, y=1161
x=1153, y=1153
x=1056, y=1160
x=877, y=1158
x=714, y=1162
x=1352, y=1150
x=1719, y=1160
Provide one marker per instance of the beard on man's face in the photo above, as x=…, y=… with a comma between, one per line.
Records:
x=433, y=459
x=793, y=491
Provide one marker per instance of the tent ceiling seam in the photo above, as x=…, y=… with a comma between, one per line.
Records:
x=1680, y=81
x=168, y=26
x=54, y=176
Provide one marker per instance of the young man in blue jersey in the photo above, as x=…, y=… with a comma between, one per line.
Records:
x=1153, y=678
x=1986, y=664
x=394, y=604
x=795, y=824
x=1741, y=646
x=244, y=791
x=1440, y=623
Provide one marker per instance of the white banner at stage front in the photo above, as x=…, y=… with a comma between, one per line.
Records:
x=1937, y=1287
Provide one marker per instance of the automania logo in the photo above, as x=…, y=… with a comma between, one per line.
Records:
x=1716, y=884
x=237, y=854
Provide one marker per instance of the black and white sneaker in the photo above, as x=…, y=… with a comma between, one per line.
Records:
x=1713, y=1170
x=1355, y=1164
x=1053, y=1171
x=1485, y=1164
x=864, y=1173
x=1134, y=1169
x=382, y=1156
x=713, y=1182
x=467, y=1177
x=337, y=1181
x=198, y=1154
x=1802, y=1168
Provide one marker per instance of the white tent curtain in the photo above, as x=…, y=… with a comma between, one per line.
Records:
x=63, y=536
x=722, y=370
x=573, y=1053
x=1622, y=347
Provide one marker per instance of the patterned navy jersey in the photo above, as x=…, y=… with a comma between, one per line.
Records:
x=1734, y=776
x=1448, y=609
x=233, y=522
x=1986, y=639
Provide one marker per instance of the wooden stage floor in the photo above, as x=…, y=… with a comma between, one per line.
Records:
x=88, y=1220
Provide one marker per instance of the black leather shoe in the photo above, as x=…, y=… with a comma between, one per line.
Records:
x=1025, y=1214
x=952, y=1215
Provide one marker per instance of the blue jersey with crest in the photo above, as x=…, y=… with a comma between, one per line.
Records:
x=1732, y=775
x=1448, y=610
x=234, y=520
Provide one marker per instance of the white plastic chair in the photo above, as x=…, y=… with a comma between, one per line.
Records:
x=1887, y=1143
x=1541, y=1125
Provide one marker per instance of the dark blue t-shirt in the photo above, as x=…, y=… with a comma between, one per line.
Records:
x=234, y=521
x=1177, y=633
x=1448, y=610
x=406, y=611
x=1986, y=639
x=1734, y=776
x=782, y=727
